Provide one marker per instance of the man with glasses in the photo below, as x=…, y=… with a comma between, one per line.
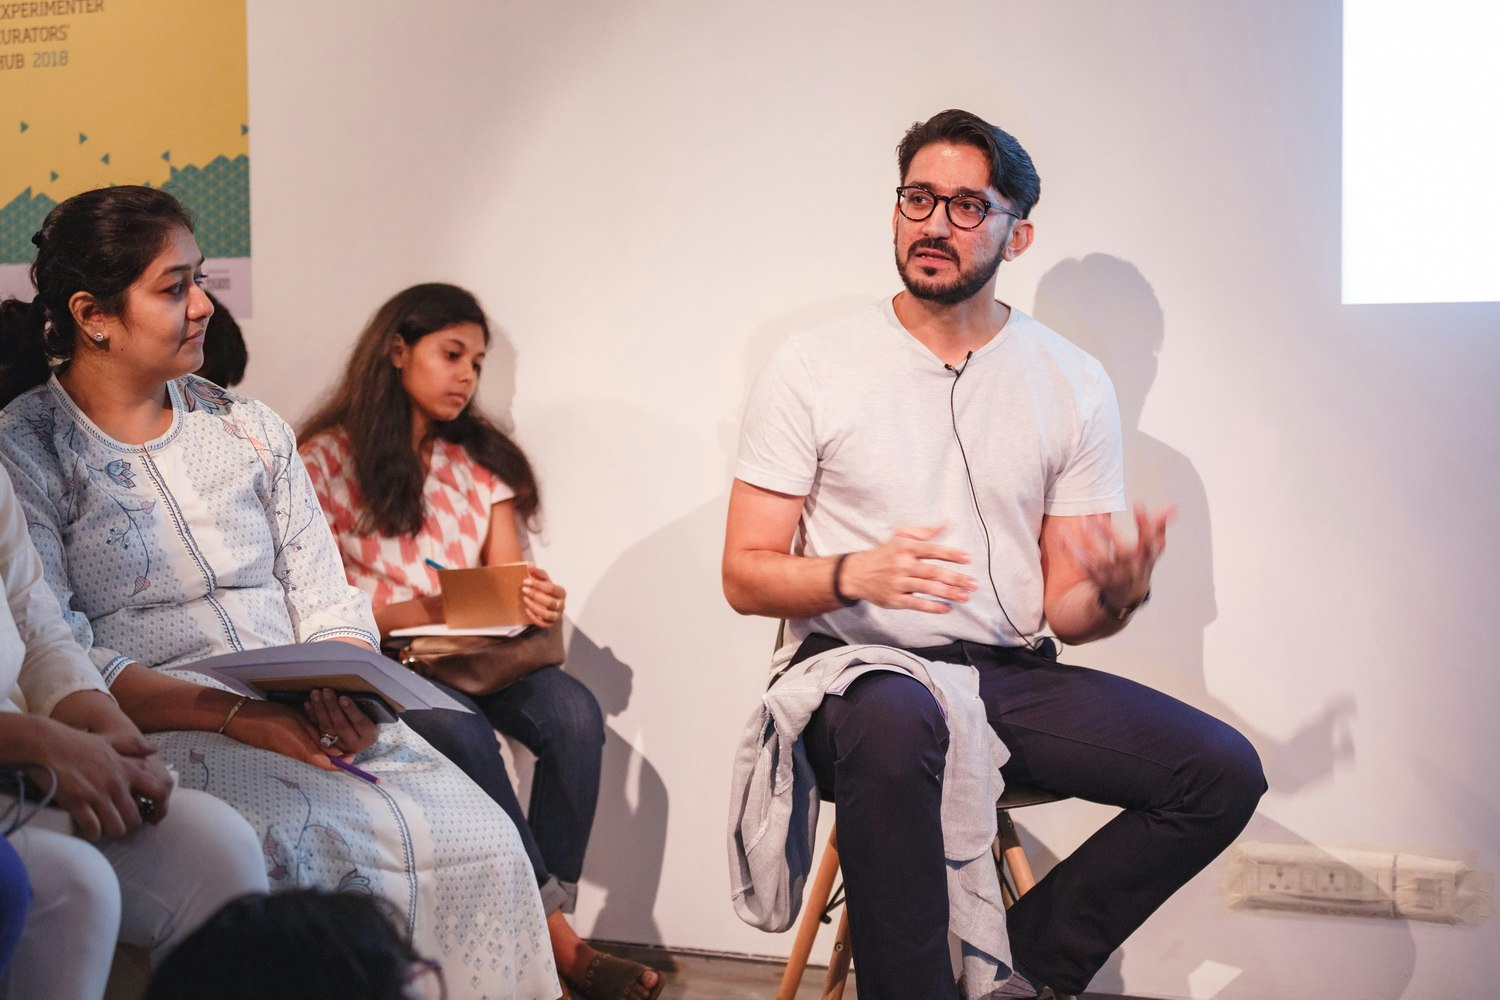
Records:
x=947, y=467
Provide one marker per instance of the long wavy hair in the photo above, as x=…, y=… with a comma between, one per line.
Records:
x=98, y=242
x=371, y=407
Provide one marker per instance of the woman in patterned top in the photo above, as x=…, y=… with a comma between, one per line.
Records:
x=174, y=521
x=412, y=476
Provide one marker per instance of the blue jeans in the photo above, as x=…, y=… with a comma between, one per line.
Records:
x=1186, y=783
x=558, y=719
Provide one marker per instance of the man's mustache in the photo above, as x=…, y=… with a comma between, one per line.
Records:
x=935, y=244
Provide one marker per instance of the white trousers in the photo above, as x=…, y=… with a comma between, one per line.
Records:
x=150, y=889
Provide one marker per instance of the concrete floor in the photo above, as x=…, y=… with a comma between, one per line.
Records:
x=692, y=976
x=695, y=976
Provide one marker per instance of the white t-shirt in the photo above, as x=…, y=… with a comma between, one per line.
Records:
x=856, y=418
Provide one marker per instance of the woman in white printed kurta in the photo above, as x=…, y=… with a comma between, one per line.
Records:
x=209, y=540
x=190, y=528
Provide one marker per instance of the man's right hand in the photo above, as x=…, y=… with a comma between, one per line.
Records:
x=763, y=577
x=280, y=729
x=98, y=778
x=894, y=573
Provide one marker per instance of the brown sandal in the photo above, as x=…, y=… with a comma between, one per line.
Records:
x=611, y=978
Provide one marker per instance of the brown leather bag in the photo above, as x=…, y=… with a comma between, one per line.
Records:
x=481, y=664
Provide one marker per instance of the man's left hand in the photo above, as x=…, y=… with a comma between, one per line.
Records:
x=1120, y=571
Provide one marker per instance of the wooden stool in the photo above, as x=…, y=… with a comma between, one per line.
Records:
x=822, y=900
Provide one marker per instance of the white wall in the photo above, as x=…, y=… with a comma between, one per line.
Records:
x=650, y=196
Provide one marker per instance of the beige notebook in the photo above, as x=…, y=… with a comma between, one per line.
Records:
x=488, y=595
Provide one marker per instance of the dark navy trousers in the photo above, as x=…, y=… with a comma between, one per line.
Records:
x=1186, y=784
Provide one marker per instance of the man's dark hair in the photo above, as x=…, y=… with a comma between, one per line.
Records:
x=1011, y=170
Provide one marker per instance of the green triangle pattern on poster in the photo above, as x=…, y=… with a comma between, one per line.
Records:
x=104, y=159
x=18, y=221
x=24, y=127
x=218, y=195
x=82, y=138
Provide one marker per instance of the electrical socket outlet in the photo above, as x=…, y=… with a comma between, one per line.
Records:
x=1301, y=877
x=1357, y=882
x=1426, y=888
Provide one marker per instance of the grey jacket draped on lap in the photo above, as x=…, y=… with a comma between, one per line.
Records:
x=774, y=802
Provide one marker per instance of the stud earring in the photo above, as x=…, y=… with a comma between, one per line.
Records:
x=98, y=337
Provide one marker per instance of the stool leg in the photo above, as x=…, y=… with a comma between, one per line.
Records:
x=838, y=962
x=1014, y=857
x=812, y=916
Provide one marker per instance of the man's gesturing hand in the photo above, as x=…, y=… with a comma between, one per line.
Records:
x=1122, y=572
x=895, y=572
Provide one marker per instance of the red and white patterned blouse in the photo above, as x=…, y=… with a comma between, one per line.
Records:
x=457, y=498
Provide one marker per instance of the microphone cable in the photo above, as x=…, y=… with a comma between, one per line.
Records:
x=989, y=556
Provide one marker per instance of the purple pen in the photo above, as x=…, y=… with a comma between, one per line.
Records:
x=358, y=772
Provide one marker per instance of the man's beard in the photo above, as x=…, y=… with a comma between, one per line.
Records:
x=962, y=287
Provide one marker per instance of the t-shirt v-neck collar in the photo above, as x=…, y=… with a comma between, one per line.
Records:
x=916, y=347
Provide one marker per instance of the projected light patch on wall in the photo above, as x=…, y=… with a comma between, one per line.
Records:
x=1421, y=151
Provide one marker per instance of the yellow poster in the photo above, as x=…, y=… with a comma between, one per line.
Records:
x=100, y=92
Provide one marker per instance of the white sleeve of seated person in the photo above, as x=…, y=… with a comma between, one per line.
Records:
x=52, y=665
x=1093, y=480
x=778, y=444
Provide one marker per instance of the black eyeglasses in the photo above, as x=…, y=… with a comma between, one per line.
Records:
x=966, y=211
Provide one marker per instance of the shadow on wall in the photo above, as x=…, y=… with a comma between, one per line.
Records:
x=1105, y=306
x=499, y=385
x=626, y=851
x=661, y=594
x=628, y=842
